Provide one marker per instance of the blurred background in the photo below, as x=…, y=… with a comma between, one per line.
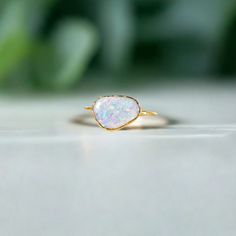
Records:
x=61, y=45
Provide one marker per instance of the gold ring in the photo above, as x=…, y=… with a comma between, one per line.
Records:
x=117, y=111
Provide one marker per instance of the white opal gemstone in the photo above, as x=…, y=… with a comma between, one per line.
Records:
x=113, y=112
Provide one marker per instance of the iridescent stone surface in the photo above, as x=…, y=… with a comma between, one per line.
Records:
x=113, y=112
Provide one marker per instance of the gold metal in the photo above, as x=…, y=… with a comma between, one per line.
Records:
x=141, y=113
x=88, y=108
x=148, y=113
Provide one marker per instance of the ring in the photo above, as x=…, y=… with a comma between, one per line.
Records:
x=117, y=111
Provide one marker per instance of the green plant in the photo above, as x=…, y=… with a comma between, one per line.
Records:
x=56, y=62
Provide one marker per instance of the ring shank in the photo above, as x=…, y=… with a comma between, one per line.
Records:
x=88, y=108
x=148, y=113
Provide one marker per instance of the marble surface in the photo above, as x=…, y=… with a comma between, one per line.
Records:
x=59, y=177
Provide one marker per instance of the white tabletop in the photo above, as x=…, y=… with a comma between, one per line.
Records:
x=61, y=178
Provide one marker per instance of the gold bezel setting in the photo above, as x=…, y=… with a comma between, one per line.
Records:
x=140, y=113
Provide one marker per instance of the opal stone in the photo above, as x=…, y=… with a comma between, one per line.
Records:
x=113, y=112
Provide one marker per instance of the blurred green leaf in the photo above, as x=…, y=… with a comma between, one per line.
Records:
x=117, y=21
x=14, y=40
x=63, y=60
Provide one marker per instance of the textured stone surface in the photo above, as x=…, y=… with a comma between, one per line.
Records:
x=113, y=112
